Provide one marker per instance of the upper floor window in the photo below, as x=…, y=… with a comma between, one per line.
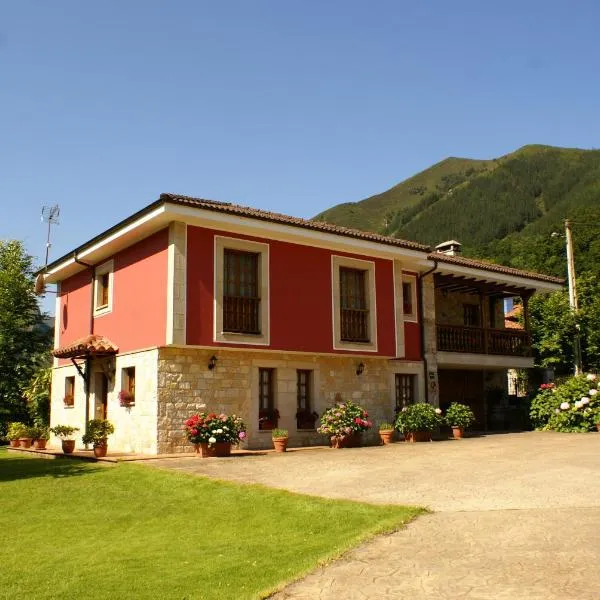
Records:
x=409, y=297
x=241, y=313
x=471, y=315
x=241, y=299
x=103, y=288
x=354, y=317
x=354, y=309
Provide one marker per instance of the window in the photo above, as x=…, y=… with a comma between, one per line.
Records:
x=241, y=305
x=103, y=283
x=305, y=416
x=405, y=390
x=268, y=415
x=69, y=399
x=409, y=297
x=241, y=301
x=407, y=304
x=127, y=395
x=471, y=315
x=354, y=314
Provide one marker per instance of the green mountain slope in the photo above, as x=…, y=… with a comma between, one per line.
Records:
x=503, y=210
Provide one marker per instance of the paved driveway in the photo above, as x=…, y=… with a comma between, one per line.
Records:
x=516, y=516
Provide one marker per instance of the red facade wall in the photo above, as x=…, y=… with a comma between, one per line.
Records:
x=300, y=296
x=139, y=305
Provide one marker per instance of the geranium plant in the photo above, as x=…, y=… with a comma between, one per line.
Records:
x=343, y=419
x=459, y=415
x=210, y=428
x=418, y=417
x=126, y=398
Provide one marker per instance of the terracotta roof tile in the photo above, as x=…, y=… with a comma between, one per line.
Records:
x=86, y=346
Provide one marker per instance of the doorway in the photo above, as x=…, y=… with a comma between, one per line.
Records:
x=100, y=396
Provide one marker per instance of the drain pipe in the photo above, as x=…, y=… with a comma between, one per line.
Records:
x=422, y=321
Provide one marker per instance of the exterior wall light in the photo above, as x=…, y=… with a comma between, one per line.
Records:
x=212, y=363
x=360, y=369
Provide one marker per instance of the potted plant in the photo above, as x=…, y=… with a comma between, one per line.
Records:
x=280, y=439
x=65, y=433
x=26, y=438
x=268, y=419
x=213, y=434
x=69, y=400
x=417, y=421
x=343, y=422
x=40, y=437
x=97, y=434
x=16, y=430
x=386, y=433
x=126, y=398
x=305, y=419
x=459, y=417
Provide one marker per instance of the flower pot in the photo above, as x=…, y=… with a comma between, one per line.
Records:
x=457, y=433
x=25, y=442
x=14, y=443
x=417, y=436
x=100, y=450
x=387, y=436
x=280, y=444
x=68, y=446
x=598, y=426
x=351, y=440
x=39, y=444
x=218, y=449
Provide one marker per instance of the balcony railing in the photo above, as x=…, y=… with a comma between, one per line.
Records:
x=452, y=338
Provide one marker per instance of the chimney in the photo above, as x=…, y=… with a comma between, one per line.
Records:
x=451, y=248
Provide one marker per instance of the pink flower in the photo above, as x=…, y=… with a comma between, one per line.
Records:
x=194, y=431
x=242, y=435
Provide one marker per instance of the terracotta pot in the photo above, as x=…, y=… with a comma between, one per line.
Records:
x=14, y=443
x=68, y=446
x=100, y=450
x=417, y=436
x=387, y=436
x=25, y=442
x=39, y=444
x=345, y=441
x=218, y=449
x=598, y=426
x=457, y=433
x=280, y=444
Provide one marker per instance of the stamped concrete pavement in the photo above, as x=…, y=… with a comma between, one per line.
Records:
x=516, y=516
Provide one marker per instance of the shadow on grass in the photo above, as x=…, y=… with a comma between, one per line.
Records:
x=27, y=468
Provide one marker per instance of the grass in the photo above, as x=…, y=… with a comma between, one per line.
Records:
x=81, y=530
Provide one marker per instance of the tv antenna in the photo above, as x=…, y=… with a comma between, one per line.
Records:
x=50, y=215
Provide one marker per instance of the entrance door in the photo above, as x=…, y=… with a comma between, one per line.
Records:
x=100, y=396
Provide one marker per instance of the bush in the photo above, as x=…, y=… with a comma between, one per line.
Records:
x=209, y=428
x=459, y=415
x=98, y=431
x=543, y=405
x=344, y=418
x=64, y=432
x=279, y=433
x=418, y=417
x=16, y=430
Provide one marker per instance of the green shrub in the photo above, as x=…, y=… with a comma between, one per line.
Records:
x=344, y=418
x=98, y=431
x=64, y=432
x=543, y=405
x=16, y=430
x=279, y=433
x=418, y=417
x=459, y=415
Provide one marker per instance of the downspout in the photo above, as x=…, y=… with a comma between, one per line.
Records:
x=88, y=360
x=422, y=321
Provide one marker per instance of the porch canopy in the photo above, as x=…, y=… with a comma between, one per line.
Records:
x=90, y=346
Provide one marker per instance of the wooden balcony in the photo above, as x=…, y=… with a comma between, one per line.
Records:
x=476, y=340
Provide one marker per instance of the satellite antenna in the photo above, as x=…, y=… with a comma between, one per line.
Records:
x=50, y=215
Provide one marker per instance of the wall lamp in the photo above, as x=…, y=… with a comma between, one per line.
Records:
x=360, y=369
x=212, y=363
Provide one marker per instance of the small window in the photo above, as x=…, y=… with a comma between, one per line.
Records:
x=471, y=315
x=305, y=416
x=241, y=300
x=103, y=282
x=354, y=314
x=127, y=394
x=405, y=390
x=69, y=399
x=407, y=298
x=268, y=415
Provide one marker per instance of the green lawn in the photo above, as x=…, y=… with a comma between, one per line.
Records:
x=81, y=530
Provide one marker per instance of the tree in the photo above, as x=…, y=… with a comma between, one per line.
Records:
x=24, y=341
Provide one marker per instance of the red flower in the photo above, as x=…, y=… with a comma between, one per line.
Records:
x=194, y=432
x=358, y=421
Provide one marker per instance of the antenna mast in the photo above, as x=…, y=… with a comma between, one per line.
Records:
x=50, y=215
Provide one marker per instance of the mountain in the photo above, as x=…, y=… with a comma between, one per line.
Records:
x=504, y=210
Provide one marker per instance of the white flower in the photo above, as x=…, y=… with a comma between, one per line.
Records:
x=219, y=431
x=578, y=404
x=591, y=377
x=438, y=411
x=565, y=406
x=212, y=440
x=557, y=410
x=593, y=392
x=585, y=400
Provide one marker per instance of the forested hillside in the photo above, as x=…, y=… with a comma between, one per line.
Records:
x=503, y=210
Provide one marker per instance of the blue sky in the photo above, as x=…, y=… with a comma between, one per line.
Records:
x=291, y=106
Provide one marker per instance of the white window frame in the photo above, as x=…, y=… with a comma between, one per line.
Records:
x=368, y=266
x=105, y=268
x=412, y=279
x=223, y=243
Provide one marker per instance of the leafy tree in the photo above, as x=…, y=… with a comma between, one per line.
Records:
x=37, y=394
x=24, y=342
